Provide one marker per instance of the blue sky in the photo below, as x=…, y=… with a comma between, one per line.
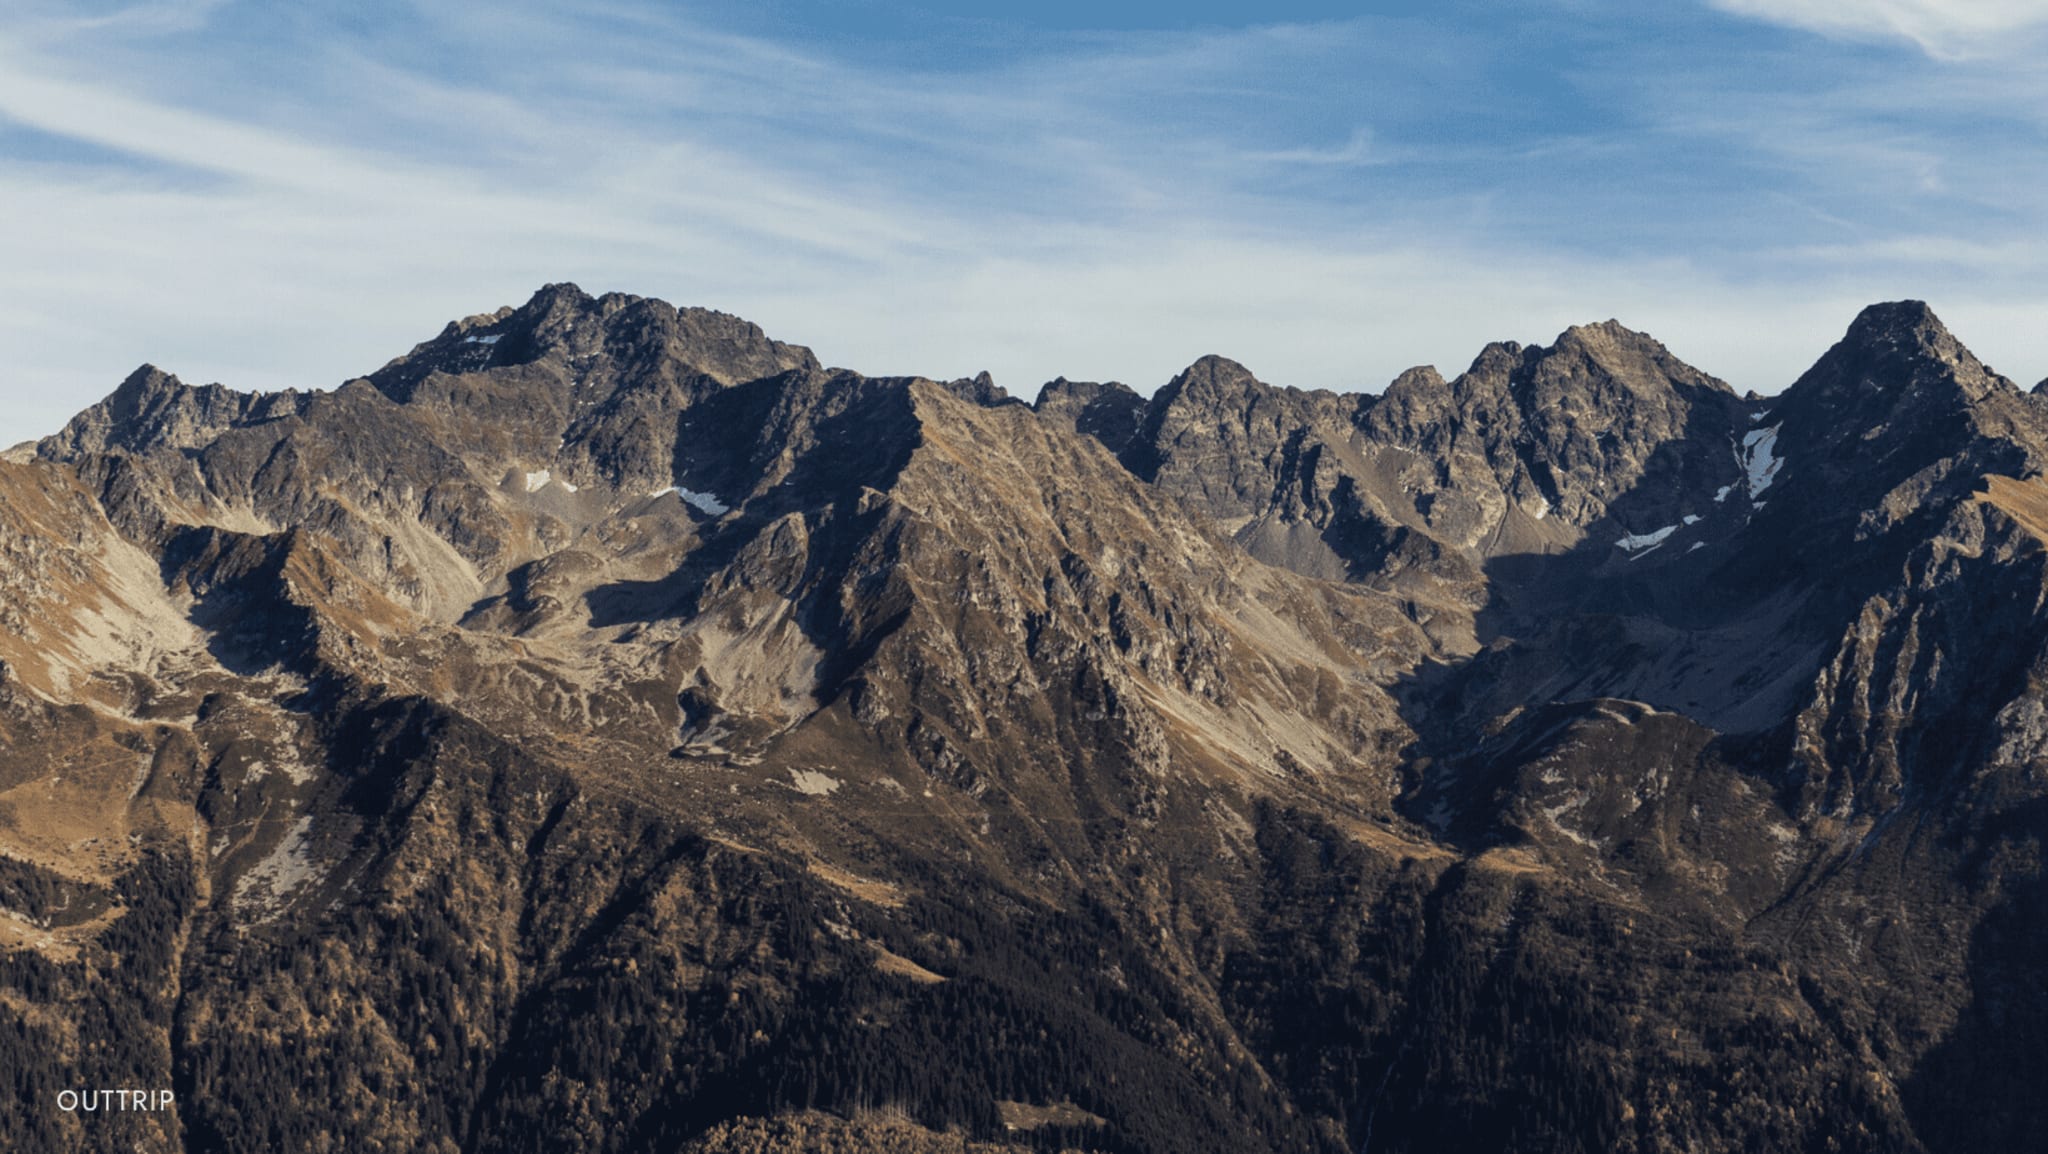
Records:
x=277, y=195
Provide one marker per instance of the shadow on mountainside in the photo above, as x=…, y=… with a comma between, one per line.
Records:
x=1674, y=624
x=800, y=538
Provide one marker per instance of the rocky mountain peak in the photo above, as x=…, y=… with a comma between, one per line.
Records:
x=1212, y=373
x=1498, y=359
x=1892, y=323
x=1599, y=331
x=981, y=388
x=1108, y=411
x=1635, y=360
x=577, y=339
x=1570, y=755
x=1215, y=433
x=1420, y=378
x=146, y=382
x=1896, y=349
x=1897, y=395
x=152, y=407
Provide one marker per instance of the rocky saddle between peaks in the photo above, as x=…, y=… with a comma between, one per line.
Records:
x=606, y=728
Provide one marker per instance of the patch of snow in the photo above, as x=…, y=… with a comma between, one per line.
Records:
x=1721, y=494
x=1556, y=813
x=1439, y=815
x=1759, y=458
x=1759, y=506
x=1760, y=414
x=535, y=482
x=489, y=340
x=813, y=783
x=1697, y=545
x=569, y=486
x=1692, y=518
x=1542, y=508
x=1635, y=541
x=705, y=502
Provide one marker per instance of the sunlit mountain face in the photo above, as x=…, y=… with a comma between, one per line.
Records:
x=606, y=727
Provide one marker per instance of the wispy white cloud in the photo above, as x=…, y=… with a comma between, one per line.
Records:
x=1109, y=207
x=1943, y=28
x=1354, y=151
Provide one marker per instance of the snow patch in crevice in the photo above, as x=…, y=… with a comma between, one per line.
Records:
x=1439, y=815
x=489, y=340
x=1721, y=494
x=1691, y=518
x=1646, y=541
x=706, y=503
x=1759, y=458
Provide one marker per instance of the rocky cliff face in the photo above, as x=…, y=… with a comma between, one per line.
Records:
x=606, y=728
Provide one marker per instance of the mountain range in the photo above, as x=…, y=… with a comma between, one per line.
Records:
x=606, y=728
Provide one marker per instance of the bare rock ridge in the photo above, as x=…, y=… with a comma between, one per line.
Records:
x=606, y=728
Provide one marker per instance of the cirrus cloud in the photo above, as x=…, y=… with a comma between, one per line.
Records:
x=1330, y=203
x=1942, y=28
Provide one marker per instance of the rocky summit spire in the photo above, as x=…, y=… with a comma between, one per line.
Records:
x=1899, y=346
x=1898, y=324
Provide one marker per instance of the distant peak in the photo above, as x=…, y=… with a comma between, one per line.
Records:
x=632, y=333
x=1420, y=377
x=1606, y=334
x=1214, y=371
x=1060, y=389
x=1894, y=353
x=1609, y=327
x=1896, y=317
x=564, y=292
x=1903, y=328
x=1108, y=411
x=146, y=378
x=980, y=389
x=139, y=391
x=1500, y=356
x=1614, y=346
x=149, y=386
x=151, y=407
